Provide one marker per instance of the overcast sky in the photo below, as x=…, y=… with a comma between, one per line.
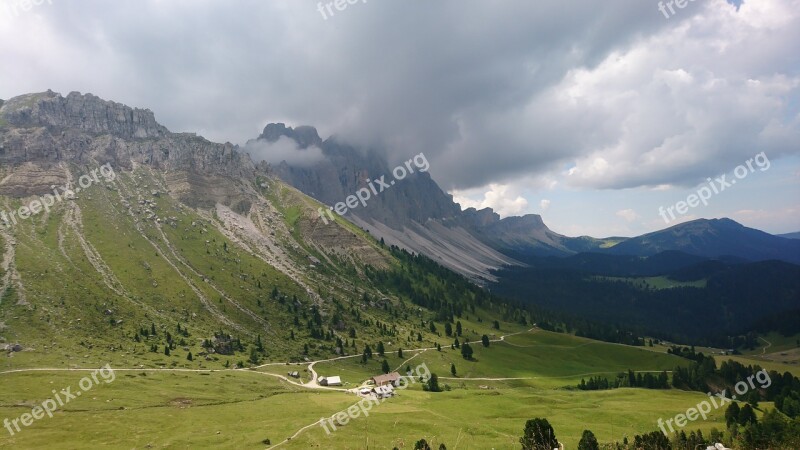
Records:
x=593, y=114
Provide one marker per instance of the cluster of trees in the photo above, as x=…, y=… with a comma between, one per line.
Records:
x=774, y=430
x=598, y=384
x=782, y=389
x=422, y=444
x=735, y=415
x=171, y=343
x=646, y=381
x=788, y=402
x=539, y=435
x=425, y=283
x=693, y=440
x=696, y=376
x=575, y=291
x=449, y=295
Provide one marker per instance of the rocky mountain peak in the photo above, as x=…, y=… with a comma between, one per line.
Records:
x=84, y=112
x=41, y=131
x=480, y=218
x=305, y=136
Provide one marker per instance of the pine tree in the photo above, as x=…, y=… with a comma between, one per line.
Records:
x=433, y=383
x=385, y=366
x=452, y=369
x=254, y=358
x=466, y=351
x=422, y=444
x=538, y=435
x=746, y=415
x=732, y=414
x=588, y=441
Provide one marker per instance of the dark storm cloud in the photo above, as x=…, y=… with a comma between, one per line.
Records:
x=490, y=90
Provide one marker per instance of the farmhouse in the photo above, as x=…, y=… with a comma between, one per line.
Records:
x=294, y=374
x=390, y=378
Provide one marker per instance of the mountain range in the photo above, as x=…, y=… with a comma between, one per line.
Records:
x=418, y=215
x=196, y=232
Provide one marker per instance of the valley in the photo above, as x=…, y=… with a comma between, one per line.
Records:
x=204, y=280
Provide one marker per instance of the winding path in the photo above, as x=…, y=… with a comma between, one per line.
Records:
x=769, y=344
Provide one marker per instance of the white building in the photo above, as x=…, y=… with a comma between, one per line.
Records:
x=330, y=381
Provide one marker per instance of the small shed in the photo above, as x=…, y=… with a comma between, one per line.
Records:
x=329, y=381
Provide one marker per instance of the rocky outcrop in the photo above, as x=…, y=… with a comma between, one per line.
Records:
x=523, y=236
x=42, y=131
x=32, y=179
x=87, y=113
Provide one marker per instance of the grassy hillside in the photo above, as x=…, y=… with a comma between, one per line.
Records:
x=241, y=408
x=541, y=358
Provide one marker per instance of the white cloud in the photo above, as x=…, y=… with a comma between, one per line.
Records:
x=690, y=101
x=284, y=149
x=628, y=214
x=499, y=197
x=544, y=204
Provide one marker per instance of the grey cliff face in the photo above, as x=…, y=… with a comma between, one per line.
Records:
x=82, y=112
x=49, y=128
x=40, y=133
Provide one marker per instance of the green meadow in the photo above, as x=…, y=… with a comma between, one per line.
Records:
x=246, y=408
